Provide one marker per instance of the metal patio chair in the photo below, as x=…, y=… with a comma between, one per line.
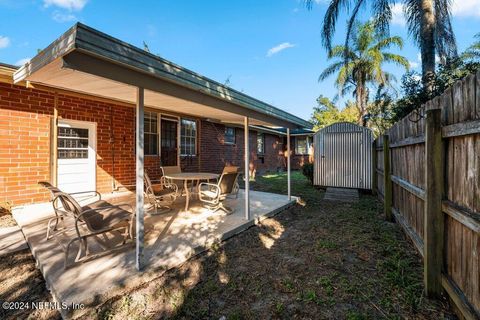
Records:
x=160, y=196
x=54, y=191
x=95, y=219
x=214, y=194
x=169, y=183
x=236, y=187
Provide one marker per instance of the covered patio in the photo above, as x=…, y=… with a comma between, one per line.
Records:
x=86, y=61
x=170, y=239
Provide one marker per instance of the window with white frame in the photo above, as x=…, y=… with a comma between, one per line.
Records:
x=302, y=144
x=188, y=137
x=260, y=143
x=150, y=133
x=229, y=135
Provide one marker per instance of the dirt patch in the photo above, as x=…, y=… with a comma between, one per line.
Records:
x=6, y=220
x=322, y=261
x=21, y=281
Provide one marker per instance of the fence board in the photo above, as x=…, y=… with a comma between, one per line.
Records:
x=460, y=119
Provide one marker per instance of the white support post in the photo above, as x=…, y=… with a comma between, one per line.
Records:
x=139, y=178
x=288, y=166
x=247, y=170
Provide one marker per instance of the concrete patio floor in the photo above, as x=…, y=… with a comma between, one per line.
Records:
x=170, y=240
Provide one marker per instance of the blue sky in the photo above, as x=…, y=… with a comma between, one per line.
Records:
x=269, y=49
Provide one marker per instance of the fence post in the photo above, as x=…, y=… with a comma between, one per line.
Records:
x=374, y=167
x=433, y=225
x=387, y=179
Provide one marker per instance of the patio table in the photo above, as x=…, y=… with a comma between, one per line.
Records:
x=191, y=176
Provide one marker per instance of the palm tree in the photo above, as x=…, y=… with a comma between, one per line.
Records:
x=361, y=64
x=428, y=23
x=473, y=51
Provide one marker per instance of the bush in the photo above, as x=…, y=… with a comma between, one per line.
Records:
x=307, y=170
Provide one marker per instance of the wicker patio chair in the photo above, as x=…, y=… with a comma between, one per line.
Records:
x=160, y=196
x=214, y=194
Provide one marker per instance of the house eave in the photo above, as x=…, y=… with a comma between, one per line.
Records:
x=81, y=38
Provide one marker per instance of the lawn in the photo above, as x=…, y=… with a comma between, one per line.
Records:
x=318, y=260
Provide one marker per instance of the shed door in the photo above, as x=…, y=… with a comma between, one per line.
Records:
x=76, y=156
x=342, y=158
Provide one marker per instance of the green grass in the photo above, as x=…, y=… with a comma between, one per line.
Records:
x=328, y=260
x=277, y=183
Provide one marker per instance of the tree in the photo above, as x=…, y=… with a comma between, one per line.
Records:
x=327, y=113
x=472, y=53
x=414, y=94
x=361, y=64
x=428, y=23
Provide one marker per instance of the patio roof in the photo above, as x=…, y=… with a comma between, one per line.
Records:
x=88, y=61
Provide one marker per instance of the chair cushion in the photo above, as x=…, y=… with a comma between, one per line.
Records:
x=105, y=218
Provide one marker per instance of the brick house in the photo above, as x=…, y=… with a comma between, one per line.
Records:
x=53, y=112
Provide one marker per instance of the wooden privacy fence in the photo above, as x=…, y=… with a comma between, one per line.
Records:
x=427, y=172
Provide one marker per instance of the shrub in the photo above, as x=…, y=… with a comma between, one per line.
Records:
x=307, y=170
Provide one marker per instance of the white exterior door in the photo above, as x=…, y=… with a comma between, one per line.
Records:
x=76, y=156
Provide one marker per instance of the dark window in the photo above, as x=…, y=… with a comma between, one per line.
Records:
x=229, y=135
x=260, y=143
x=72, y=143
x=188, y=137
x=151, y=133
x=169, y=142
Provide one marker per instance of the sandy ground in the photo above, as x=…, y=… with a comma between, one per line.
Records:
x=322, y=260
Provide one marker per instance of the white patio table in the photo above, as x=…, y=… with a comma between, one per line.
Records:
x=191, y=176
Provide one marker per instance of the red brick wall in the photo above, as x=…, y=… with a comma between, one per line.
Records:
x=25, y=126
x=215, y=154
x=24, y=143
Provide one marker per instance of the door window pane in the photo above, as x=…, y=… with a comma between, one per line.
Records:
x=72, y=143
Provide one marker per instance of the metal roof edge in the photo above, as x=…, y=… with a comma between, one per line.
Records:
x=61, y=46
x=94, y=42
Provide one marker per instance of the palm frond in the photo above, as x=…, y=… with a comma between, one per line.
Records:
x=331, y=69
x=330, y=20
x=396, y=59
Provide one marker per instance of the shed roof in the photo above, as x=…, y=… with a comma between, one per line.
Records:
x=343, y=127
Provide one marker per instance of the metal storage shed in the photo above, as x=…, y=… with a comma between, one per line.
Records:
x=343, y=156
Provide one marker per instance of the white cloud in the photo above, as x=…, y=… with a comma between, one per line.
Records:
x=63, y=17
x=280, y=47
x=4, y=42
x=413, y=64
x=21, y=62
x=398, y=17
x=466, y=8
x=72, y=5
